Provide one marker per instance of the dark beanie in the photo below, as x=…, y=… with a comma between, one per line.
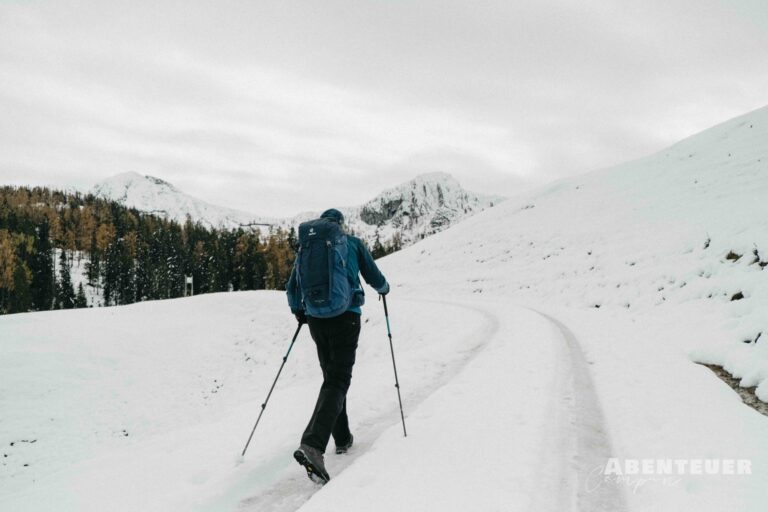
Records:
x=334, y=215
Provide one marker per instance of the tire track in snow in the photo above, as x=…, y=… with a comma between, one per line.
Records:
x=585, y=431
x=289, y=493
x=591, y=439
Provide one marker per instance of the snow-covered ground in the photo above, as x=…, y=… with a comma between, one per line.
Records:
x=535, y=342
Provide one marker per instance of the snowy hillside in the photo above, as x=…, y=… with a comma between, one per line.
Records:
x=411, y=211
x=535, y=341
x=687, y=226
x=153, y=195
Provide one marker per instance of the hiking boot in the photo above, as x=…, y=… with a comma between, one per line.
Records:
x=312, y=460
x=346, y=446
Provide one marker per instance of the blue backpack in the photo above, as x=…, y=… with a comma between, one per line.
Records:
x=321, y=264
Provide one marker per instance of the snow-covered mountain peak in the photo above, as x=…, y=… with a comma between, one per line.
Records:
x=132, y=185
x=410, y=211
x=417, y=208
x=154, y=195
x=432, y=185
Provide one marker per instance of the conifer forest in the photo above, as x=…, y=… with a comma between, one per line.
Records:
x=128, y=256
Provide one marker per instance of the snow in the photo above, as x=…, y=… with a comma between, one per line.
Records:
x=517, y=387
x=156, y=196
x=413, y=210
x=183, y=379
x=416, y=209
x=458, y=457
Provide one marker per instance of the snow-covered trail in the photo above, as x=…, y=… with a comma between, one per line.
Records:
x=291, y=490
x=517, y=428
x=524, y=370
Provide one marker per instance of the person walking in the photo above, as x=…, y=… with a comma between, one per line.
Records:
x=324, y=291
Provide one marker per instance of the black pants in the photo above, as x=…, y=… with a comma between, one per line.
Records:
x=336, y=340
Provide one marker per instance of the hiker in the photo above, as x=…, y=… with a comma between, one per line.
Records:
x=327, y=255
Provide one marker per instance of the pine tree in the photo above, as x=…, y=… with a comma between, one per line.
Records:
x=144, y=273
x=65, y=292
x=93, y=267
x=41, y=266
x=396, y=244
x=80, y=300
x=7, y=267
x=378, y=249
x=126, y=280
x=174, y=263
x=248, y=263
x=119, y=282
x=21, y=298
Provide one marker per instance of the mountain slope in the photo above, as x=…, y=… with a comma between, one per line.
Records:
x=416, y=209
x=686, y=226
x=153, y=195
x=618, y=231
x=404, y=214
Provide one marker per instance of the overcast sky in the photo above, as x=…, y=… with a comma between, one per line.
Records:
x=280, y=107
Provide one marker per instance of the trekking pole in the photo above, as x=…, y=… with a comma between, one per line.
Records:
x=397, y=383
x=264, y=405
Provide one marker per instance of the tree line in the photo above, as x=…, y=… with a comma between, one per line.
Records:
x=129, y=256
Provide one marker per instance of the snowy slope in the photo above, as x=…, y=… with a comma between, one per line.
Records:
x=639, y=237
x=413, y=210
x=534, y=341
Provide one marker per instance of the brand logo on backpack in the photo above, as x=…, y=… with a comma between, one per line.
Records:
x=322, y=268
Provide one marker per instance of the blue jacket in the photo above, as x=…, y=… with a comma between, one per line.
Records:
x=359, y=261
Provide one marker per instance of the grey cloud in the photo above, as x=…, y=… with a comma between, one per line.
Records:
x=254, y=102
